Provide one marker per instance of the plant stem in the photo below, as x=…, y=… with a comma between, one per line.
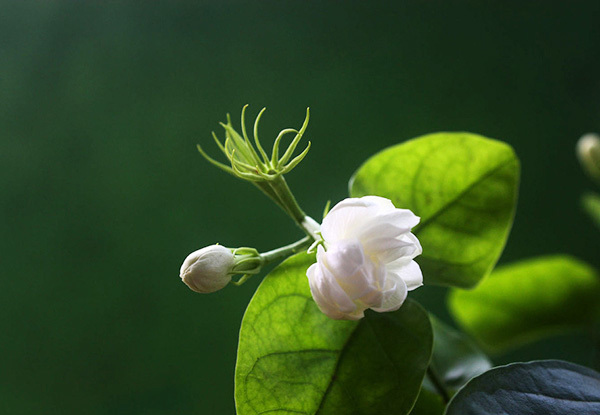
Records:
x=438, y=384
x=286, y=251
x=287, y=199
x=268, y=191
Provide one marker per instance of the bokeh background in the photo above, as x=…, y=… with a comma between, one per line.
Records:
x=103, y=194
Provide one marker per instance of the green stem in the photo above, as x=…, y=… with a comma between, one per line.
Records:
x=241, y=280
x=268, y=191
x=286, y=251
x=283, y=192
x=438, y=384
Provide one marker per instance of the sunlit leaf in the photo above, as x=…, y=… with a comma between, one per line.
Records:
x=294, y=359
x=547, y=387
x=527, y=300
x=464, y=188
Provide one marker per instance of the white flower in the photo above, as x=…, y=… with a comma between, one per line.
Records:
x=208, y=269
x=367, y=261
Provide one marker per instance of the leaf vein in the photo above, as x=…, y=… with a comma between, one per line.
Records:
x=455, y=199
x=342, y=352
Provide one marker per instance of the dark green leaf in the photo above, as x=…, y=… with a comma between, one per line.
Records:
x=464, y=188
x=293, y=359
x=428, y=403
x=547, y=387
x=527, y=300
x=455, y=361
x=455, y=358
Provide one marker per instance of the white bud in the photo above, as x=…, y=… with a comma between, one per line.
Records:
x=588, y=151
x=208, y=269
x=367, y=258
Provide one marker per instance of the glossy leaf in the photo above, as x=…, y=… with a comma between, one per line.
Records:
x=528, y=300
x=546, y=387
x=456, y=359
x=293, y=359
x=464, y=188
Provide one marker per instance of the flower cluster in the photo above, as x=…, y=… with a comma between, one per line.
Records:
x=365, y=248
x=366, y=259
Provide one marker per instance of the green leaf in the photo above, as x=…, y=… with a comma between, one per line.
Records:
x=456, y=359
x=525, y=301
x=591, y=204
x=547, y=387
x=428, y=403
x=464, y=188
x=293, y=359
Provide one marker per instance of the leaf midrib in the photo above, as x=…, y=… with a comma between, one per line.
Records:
x=342, y=353
x=455, y=199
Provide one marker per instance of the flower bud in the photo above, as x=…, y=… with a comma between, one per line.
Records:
x=208, y=269
x=366, y=260
x=588, y=151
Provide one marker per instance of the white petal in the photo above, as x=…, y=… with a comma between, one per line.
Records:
x=374, y=297
x=361, y=284
x=345, y=258
x=409, y=272
x=378, y=230
x=357, y=315
x=343, y=221
x=327, y=307
x=381, y=202
x=348, y=217
x=401, y=218
x=412, y=239
x=329, y=288
x=387, y=250
x=351, y=269
x=393, y=297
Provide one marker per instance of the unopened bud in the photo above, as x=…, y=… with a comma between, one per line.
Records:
x=588, y=151
x=208, y=269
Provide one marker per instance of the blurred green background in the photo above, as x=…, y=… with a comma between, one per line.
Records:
x=103, y=193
